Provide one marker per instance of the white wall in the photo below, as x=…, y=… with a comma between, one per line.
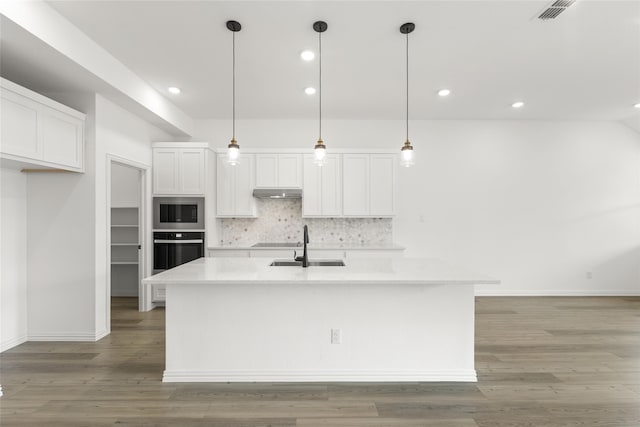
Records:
x=61, y=245
x=66, y=228
x=13, y=256
x=119, y=135
x=537, y=204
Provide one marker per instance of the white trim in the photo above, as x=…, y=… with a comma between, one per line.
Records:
x=67, y=336
x=0, y=390
x=178, y=144
x=556, y=293
x=13, y=342
x=308, y=150
x=322, y=376
x=144, y=223
x=41, y=99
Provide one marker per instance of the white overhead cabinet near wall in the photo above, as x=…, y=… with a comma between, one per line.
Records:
x=278, y=171
x=234, y=184
x=358, y=185
x=39, y=131
x=368, y=187
x=179, y=169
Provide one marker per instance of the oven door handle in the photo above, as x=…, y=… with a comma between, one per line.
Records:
x=176, y=242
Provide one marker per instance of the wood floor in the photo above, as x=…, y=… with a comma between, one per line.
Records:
x=541, y=362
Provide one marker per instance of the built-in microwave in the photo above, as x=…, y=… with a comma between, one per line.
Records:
x=178, y=213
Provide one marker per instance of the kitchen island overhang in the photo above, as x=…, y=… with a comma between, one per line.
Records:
x=240, y=320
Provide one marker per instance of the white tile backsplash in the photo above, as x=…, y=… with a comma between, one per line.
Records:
x=281, y=221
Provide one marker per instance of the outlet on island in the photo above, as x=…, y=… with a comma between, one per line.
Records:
x=336, y=336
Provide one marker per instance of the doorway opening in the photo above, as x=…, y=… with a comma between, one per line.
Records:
x=127, y=221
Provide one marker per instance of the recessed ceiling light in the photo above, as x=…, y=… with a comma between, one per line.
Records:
x=307, y=55
x=310, y=90
x=637, y=105
x=444, y=92
x=518, y=104
x=174, y=90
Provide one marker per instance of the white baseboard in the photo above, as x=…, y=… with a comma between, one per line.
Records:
x=10, y=343
x=555, y=293
x=322, y=376
x=100, y=335
x=66, y=336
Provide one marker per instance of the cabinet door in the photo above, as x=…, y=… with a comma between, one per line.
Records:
x=355, y=198
x=244, y=203
x=19, y=123
x=266, y=170
x=311, y=187
x=382, y=181
x=225, y=183
x=192, y=171
x=62, y=137
x=166, y=174
x=331, y=186
x=290, y=171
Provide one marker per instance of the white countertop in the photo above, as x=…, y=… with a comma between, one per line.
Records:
x=210, y=271
x=318, y=246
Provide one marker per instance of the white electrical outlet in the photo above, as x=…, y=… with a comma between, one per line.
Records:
x=589, y=275
x=336, y=336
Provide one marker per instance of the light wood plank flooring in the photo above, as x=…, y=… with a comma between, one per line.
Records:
x=541, y=362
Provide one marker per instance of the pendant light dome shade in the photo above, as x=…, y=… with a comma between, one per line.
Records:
x=233, y=153
x=320, y=150
x=406, y=152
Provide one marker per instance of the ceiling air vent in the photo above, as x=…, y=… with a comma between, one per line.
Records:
x=555, y=9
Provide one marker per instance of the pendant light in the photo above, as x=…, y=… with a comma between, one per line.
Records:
x=233, y=156
x=320, y=150
x=406, y=152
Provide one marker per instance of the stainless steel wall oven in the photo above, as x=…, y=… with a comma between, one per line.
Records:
x=173, y=249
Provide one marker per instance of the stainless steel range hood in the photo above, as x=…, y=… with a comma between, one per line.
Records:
x=277, y=193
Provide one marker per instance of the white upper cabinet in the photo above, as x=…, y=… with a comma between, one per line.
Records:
x=234, y=184
x=369, y=183
x=356, y=186
x=382, y=184
x=322, y=187
x=40, y=131
x=278, y=171
x=179, y=171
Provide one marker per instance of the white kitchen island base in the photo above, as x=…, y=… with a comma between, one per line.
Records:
x=242, y=321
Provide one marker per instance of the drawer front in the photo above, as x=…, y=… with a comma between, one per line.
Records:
x=158, y=293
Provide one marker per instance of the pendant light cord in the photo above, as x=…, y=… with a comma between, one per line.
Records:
x=320, y=86
x=407, y=120
x=234, y=85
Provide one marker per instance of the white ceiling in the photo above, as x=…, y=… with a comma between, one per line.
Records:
x=583, y=65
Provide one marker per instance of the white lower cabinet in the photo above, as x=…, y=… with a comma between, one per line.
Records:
x=158, y=293
x=39, y=131
x=313, y=253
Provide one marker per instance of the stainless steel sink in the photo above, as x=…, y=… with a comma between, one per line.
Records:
x=319, y=263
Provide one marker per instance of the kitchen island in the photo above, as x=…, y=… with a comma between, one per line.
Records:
x=396, y=319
